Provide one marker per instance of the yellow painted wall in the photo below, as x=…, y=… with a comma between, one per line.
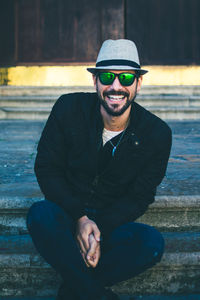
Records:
x=79, y=76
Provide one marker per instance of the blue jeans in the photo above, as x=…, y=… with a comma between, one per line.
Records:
x=129, y=250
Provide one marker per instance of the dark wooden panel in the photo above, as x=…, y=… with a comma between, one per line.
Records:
x=58, y=30
x=65, y=30
x=7, y=32
x=113, y=19
x=28, y=30
x=166, y=32
x=87, y=29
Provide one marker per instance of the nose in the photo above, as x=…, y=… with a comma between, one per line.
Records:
x=116, y=85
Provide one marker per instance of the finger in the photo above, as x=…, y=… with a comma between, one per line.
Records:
x=97, y=255
x=81, y=246
x=92, y=249
x=96, y=233
x=83, y=256
x=93, y=263
x=85, y=241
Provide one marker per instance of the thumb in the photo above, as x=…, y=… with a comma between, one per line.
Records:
x=97, y=234
x=92, y=249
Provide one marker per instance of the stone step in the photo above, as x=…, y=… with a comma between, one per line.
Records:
x=167, y=213
x=24, y=272
x=42, y=113
x=146, y=100
x=59, y=90
x=29, y=275
x=35, y=103
x=25, y=113
x=123, y=297
x=175, y=242
x=18, y=143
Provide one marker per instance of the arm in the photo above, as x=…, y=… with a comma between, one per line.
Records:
x=50, y=168
x=51, y=161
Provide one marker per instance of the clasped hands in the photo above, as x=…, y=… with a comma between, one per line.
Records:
x=88, y=239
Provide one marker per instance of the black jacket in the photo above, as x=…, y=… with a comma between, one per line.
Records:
x=75, y=171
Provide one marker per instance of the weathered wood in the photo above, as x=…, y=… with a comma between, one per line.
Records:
x=113, y=22
x=166, y=32
x=6, y=32
x=28, y=30
x=65, y=31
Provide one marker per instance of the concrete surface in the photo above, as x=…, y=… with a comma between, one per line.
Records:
x=18, y=142
x=34, y=103
x=191, y=90
x=124, y=297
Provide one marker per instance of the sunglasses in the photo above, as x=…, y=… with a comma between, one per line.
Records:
x=125, y=79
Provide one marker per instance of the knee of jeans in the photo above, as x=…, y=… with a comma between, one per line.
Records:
x=156, y=248
x=40, y=216
x=35, y=214
x=45, y=215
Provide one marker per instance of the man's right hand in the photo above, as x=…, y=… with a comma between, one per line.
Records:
x=85, y=228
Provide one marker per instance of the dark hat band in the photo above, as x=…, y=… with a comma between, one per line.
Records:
x=118, y=62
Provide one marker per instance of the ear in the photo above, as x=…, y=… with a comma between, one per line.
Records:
x=94, y=80
x=139, y=83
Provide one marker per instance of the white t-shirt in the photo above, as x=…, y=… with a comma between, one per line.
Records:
x=108, y=135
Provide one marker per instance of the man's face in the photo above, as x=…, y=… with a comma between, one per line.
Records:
x=116, y=98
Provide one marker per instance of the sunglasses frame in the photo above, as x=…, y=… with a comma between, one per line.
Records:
x=136, y=76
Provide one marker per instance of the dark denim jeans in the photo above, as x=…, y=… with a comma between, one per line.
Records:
x=129, y=250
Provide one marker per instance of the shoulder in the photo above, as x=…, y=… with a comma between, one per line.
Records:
x=152, y=127
x=68, y=104
x=74, y=99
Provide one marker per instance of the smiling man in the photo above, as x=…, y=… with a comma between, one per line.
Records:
x=99, y=161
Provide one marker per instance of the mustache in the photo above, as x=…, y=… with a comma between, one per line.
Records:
x=115, y=93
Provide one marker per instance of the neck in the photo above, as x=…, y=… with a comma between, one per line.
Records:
x=115, y=123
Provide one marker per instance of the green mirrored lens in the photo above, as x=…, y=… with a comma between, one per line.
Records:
x=107, y=78
x=126, y=79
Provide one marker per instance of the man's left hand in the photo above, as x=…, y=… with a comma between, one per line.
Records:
x=94, y=252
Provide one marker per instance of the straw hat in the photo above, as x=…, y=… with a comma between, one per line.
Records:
x=118, y=55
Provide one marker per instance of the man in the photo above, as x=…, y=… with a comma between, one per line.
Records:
x=99, y=161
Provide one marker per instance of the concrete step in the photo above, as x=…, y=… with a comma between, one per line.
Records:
x=175, y=242
x=25, y=113
x=28, y=101
x=123, y=297
x=35, y=103
x=28, y=274
x=24, y=272
x=59, y=90
x=42, y=113
x=146, y=100
x=18, y=143
x=15, y=199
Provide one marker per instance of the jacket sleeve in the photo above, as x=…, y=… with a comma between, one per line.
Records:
x=141, y=193
x=51, y=162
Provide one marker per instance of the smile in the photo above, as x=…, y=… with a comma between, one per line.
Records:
x=116, y=97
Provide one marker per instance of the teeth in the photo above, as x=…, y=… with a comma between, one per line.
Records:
x=114, y=97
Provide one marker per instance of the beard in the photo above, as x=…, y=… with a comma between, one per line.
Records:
x=112, y=111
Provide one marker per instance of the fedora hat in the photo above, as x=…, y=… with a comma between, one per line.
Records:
x=118, y=55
